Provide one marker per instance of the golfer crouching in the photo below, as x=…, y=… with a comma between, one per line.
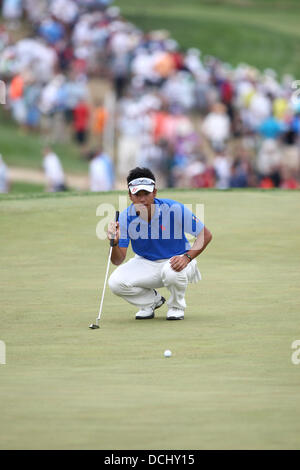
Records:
x=163, y=257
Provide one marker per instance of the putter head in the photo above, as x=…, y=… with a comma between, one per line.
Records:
x=94, y=327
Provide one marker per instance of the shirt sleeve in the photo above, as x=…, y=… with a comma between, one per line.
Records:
x=124, y=239
x=191, y=223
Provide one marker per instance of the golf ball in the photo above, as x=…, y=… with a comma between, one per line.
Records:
x=167, y=353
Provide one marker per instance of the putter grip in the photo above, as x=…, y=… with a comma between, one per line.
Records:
x=117, y=220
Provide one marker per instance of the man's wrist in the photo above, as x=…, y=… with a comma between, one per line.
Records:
x=188, y=256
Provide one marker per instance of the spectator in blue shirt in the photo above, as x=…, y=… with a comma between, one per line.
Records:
x=271, y=128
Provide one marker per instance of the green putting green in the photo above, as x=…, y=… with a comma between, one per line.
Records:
x=230, y=383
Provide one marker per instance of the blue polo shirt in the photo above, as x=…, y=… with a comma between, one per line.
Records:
x=164, y=236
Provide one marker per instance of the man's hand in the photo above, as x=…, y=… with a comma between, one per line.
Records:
x=113, y=232
x=178, y=263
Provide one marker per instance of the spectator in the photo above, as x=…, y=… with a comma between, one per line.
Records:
x=81, y=122
x=101, y=172
x=288, y=180
x=239, y=176
x=51, y=30
x=271, y=128
x=100, y=117
x=222, y=166
x=202, y=174
x=53, y=171
x=4, y=182
x=65, y=11
x=16, y=96
x=12, y=12
x=162, y=95
x=49, y=103
x=269, y=160
x=280, y=107
x=31, y=99
x=120, y=61
x=130, y=128
x=260, y=108
x=266, y=183
x=216, y=126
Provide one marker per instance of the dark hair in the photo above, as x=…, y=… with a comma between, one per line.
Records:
x=140, y=173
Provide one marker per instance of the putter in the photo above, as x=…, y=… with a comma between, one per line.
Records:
x=95, y=326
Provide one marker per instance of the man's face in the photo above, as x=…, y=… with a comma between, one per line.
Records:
x=143, y=198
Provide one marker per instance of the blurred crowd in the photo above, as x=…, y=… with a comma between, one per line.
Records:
x=193, y=119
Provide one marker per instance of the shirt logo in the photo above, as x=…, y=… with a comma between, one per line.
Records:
x=162, y=227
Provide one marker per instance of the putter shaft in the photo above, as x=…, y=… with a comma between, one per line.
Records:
x=96, y=325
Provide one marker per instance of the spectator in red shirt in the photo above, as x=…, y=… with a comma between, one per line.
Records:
x=289, y=180
x=266, y=183
x=81, y=116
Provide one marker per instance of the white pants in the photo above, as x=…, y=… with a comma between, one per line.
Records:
x=135, y=280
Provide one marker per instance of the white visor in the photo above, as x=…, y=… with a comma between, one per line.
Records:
x=139, y=184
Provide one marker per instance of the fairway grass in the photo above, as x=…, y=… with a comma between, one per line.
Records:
x=25, y=149
x=230, y=383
